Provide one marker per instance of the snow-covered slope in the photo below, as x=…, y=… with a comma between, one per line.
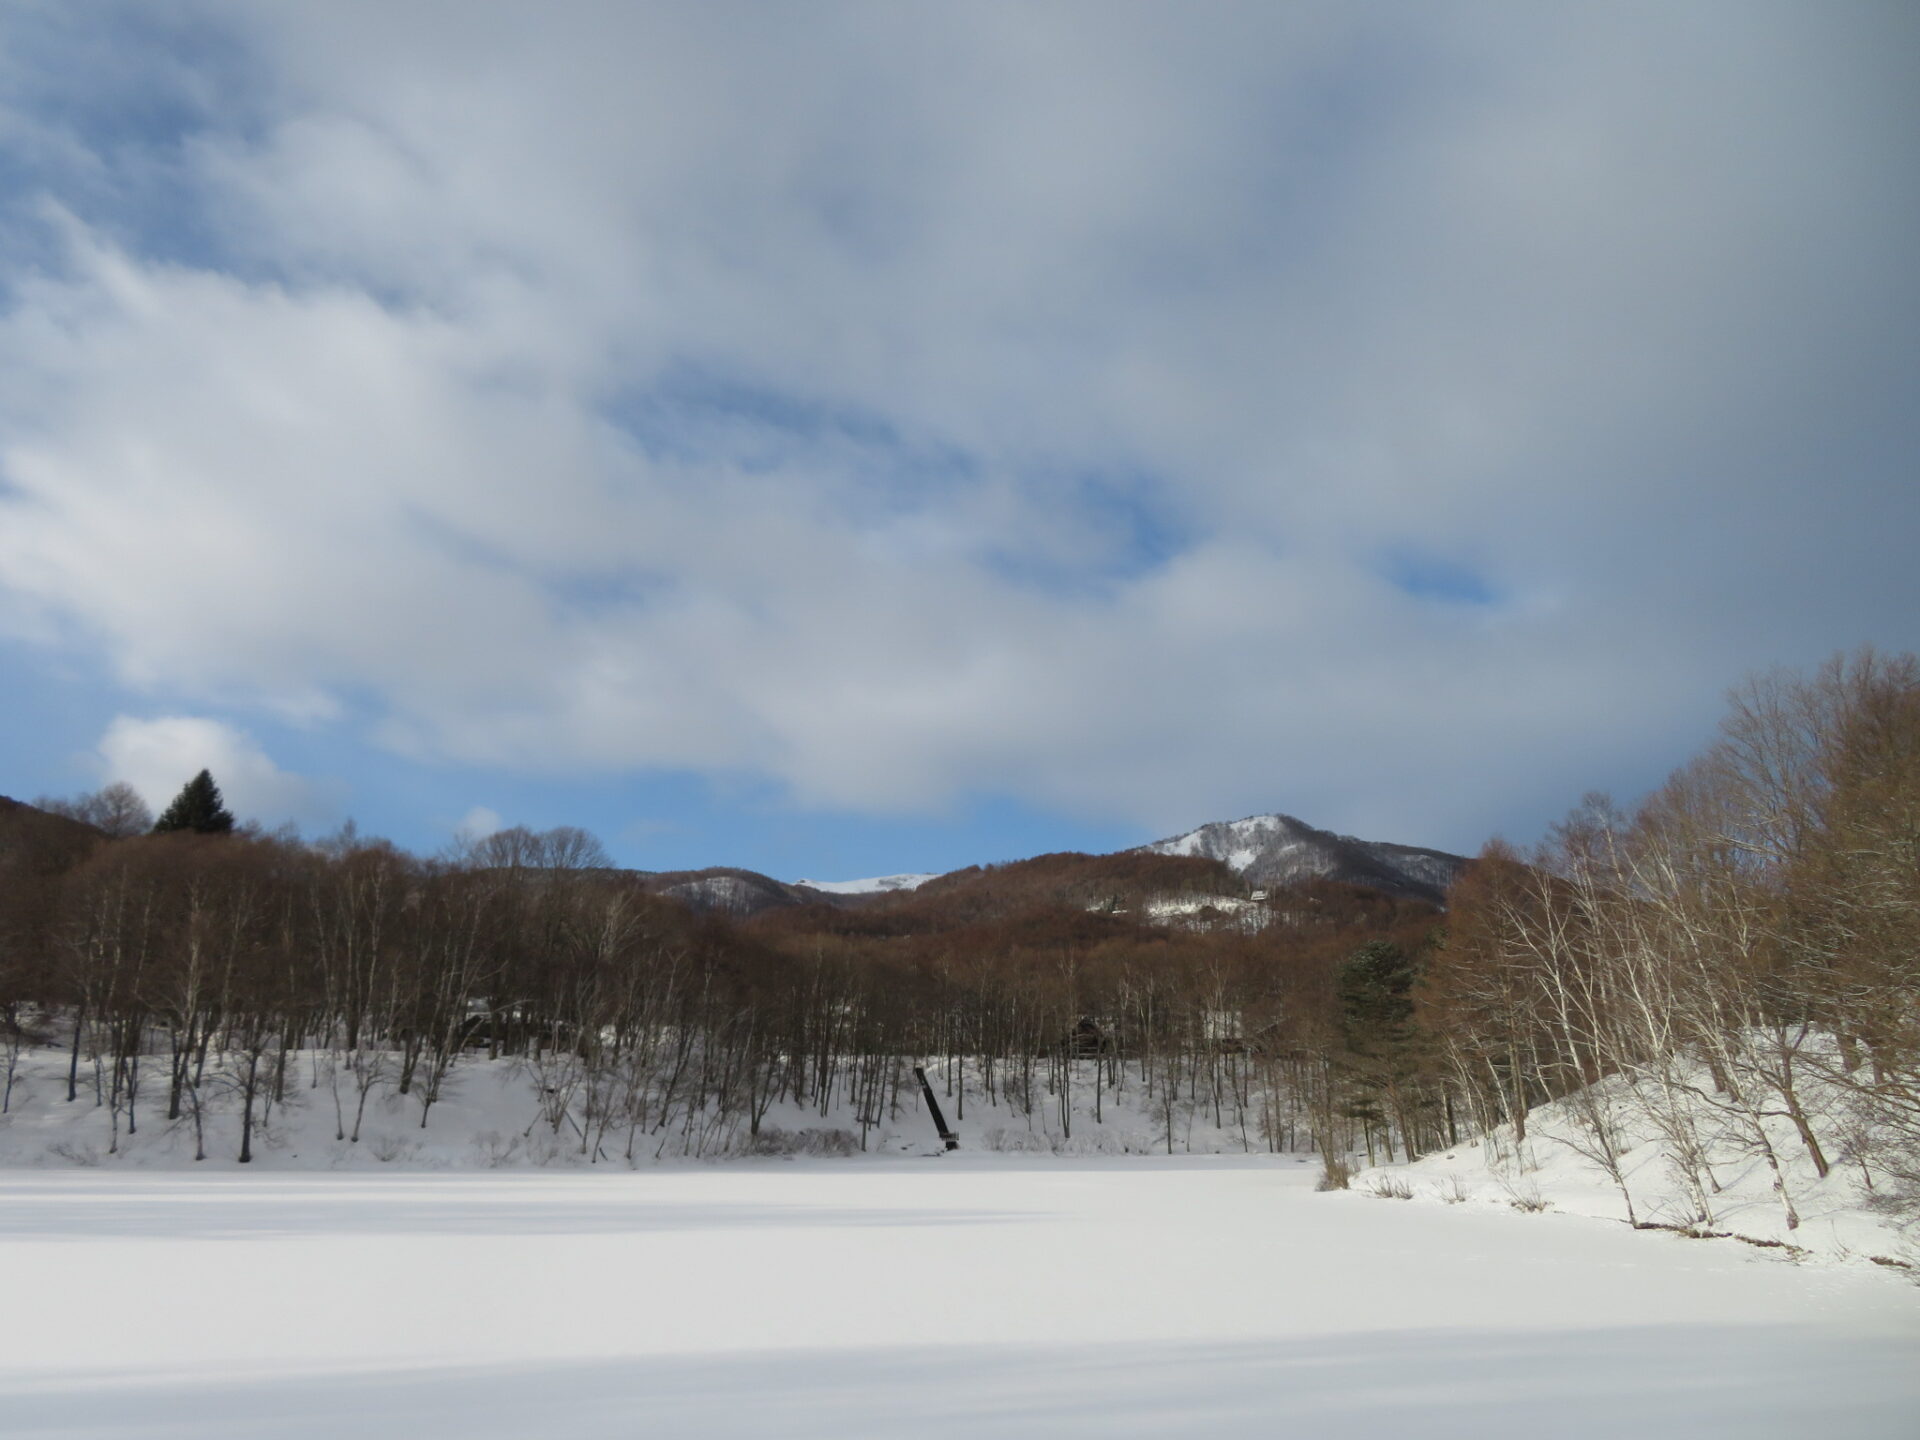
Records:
x=878, y=885
x=1558, y=1166
x=1280, y=850
x=514, y=1113
x=735, y=892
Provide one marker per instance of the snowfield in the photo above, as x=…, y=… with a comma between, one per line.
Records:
x=490, y=1274
x=965, y=1295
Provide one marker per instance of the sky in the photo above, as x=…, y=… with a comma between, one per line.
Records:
x=872, y=437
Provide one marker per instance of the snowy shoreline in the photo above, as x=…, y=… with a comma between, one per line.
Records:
x=490, y=1119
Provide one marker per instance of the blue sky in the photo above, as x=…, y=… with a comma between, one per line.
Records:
x=884, y=438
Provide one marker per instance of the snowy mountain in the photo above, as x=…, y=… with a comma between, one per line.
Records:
x=725, y=889
x=747, y=892
x=878, y=885
x=1280, y=850
x=1265, y=850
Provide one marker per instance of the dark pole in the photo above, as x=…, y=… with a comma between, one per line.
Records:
x=939, y=1120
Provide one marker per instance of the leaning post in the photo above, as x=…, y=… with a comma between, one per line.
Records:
x=939, y=1120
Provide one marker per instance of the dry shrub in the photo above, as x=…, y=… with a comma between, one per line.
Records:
x=1008, y=1139
x=814, y=1140
x=389, y=1148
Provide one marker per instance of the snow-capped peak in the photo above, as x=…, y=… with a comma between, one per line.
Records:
x=1278, y=849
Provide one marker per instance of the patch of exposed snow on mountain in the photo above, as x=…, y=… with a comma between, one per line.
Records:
x=1238, y=843
x=744, y=893
x=878, y=885
x=1280, y=849
x=1194, y=904
x=1209, y=912
x=722, y=892
x=1188, y=844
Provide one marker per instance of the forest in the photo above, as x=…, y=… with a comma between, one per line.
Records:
x=1744, y=940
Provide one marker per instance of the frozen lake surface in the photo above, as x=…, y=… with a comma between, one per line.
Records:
x=960, y=1296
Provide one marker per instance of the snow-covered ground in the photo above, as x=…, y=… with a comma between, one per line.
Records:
x=485, y=1276
x=1208, y=911
x=876, y=885
x=1557, y=1167
x=954, y=1297
x=491, y=1114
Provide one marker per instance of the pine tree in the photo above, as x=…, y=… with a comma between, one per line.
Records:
x=197, y=808
x=1376, y=995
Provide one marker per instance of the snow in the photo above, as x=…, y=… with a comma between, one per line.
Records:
x=1208, y=912
x=879, y=884
x=1236, y=843
x=397, y=1288
x=1169, y=906
x=491, y=1116
x=1286, y=849
x=1554, y=1166
x=727, y=892
x=949, y=1297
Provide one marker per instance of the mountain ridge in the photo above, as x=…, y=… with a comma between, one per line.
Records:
x=1277, y=849
x=1272, y=850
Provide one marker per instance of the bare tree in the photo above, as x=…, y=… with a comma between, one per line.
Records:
x=116, y=809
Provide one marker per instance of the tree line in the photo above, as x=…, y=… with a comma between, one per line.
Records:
x=193, y=968
x=1735, y=955
x=1739, y=956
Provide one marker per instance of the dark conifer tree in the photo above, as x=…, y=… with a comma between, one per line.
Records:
x=197, y=808
x=1375, y=988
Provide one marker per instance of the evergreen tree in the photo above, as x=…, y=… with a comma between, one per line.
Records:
x=197, y=808
x=1376, y=996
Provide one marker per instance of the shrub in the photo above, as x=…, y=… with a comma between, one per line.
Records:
x=1335, y=1174
x=775, y=1141
x=1012, y=1140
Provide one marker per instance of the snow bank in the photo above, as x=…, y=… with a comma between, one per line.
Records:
x=1556, y=1168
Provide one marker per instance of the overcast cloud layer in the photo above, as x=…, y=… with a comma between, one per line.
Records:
x=1405, y=416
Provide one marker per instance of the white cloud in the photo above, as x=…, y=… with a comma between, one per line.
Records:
x=157, y=756
x=598, y=388
x=478, y=823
